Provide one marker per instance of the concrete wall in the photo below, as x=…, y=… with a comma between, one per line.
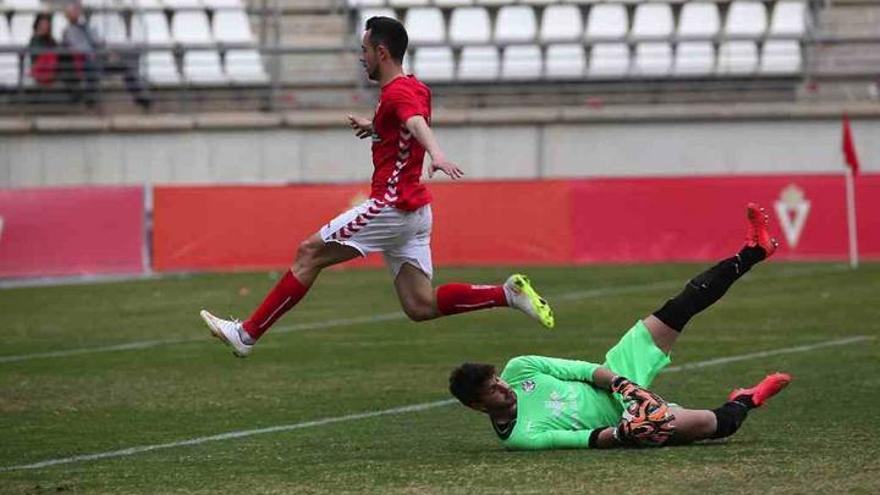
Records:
x=487, y=146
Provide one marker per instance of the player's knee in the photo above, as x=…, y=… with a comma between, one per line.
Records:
x=306, y=254
x=420, y=311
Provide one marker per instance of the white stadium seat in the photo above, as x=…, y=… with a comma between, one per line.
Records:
x=20, y=28
x=653, y=58
x=789, y=18
x=8, y=61
x=245, y=66
x=199, y=66
x=609, y=59
x=607, y=21
x=191, y=26
x=203, y=67
x=561, y=23
x=469, y=25
x=232, y=26
x=515, y=23
x=424, y=25
x=521, y=62
x=152, y=28
x=745, y=18
x=22, y=4
x=434, y=63
x=565, y=61
x=697, y=58
x=453, y=3
x=408, y=3
x=478, y=63
x=110, y=26
x=366, y=14
x=784, y=56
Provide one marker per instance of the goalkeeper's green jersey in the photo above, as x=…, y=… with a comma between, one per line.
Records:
x=557, y=406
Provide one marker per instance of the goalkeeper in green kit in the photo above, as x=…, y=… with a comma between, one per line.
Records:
x=549, y=403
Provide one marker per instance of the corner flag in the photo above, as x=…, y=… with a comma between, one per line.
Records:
x=849, y=147
x=852, y=162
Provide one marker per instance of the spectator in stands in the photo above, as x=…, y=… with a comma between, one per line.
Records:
x=89, y=50
x=43, y=51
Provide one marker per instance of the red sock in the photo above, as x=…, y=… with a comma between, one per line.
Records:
x=286, y=293
x=461, y=298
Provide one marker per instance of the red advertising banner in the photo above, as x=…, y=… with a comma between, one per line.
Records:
x=688, y=219
x=71, y=231
x=261, y=226
x=526, y=223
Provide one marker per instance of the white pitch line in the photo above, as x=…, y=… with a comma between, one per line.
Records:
x=396, y=315
x=396, y=410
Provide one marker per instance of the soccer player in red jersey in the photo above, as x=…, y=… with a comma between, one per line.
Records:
x=395, y=220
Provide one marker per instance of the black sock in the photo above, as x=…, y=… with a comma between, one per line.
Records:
x=706, y=288
x=730, y=416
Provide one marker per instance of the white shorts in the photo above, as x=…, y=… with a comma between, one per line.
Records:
x=403, y=236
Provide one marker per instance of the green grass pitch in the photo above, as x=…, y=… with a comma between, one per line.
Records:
x=818, y=436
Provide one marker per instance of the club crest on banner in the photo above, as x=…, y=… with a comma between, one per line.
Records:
x=792, y=209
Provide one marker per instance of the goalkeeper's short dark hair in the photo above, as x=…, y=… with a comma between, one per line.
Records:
x=467, y=381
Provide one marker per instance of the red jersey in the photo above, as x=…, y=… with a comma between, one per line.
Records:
x=397, y=154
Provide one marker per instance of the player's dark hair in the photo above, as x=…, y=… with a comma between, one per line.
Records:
x=389, y=32
x=467, y=381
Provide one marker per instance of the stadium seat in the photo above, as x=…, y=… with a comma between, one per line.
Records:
x=745, y=18
x=151, y=27
x=784, y=56
x=653, y=58
x=696, y=58
x=469, y=25
x=8, y=60
x=515, y=23
x=561, y=23
x=434, y=63
x=110, y=26
x=203, y=67
x=478, y=63
x=424, y=25
x=224, y=4
x=191, y=26
x=565, y=61
x=232, y=26
x=199, y=66
x=365, y=14
x=22, y=5
x=521, y=62
x=183, y=4
x=20, y=28
x=408, y=3
x=607, y=59
x=607, y=21
x=245, y=66
x=453, y=3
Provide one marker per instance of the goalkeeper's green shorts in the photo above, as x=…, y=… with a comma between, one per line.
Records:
x=636, y=357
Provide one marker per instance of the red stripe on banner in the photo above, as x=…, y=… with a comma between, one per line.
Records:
x=71, y=231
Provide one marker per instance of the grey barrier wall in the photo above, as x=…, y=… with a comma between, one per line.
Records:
x=488, y=144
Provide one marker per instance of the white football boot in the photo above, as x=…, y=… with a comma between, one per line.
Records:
x=229, y=331
x=522, y=296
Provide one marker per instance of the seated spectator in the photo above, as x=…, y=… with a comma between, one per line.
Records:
x=89, y=50
x=42, y=48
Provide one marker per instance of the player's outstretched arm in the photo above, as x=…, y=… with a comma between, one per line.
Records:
x=423, y=133
x=363, y=127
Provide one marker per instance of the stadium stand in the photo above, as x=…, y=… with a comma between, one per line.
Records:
x=227, y=54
